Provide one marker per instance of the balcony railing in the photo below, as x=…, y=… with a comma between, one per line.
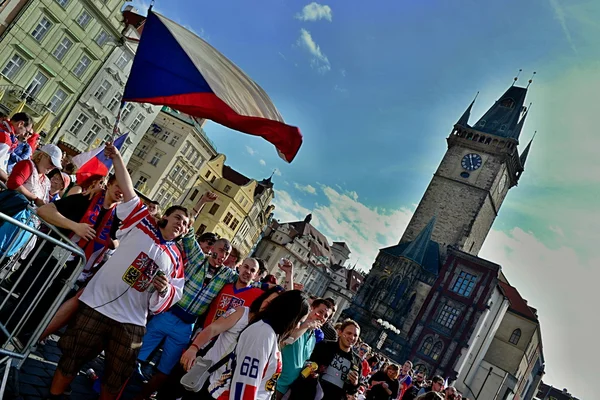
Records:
x=14, y=94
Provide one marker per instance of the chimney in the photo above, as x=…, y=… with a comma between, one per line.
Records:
x=308, y=218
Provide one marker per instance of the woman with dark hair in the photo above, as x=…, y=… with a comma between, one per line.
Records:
x=256, y=363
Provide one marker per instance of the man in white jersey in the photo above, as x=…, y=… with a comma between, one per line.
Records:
x=144, y=274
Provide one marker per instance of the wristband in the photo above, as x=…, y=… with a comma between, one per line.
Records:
x=193, y=345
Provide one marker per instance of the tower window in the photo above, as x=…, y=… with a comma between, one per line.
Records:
x=448, y=316
x=516, y=335
x=481, y=123
x=464, y=284
x=508, y=103
x=427, y=346
x=502, y=127
x=436, y=351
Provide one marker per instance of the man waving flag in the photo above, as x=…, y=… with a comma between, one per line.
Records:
x=176, y=68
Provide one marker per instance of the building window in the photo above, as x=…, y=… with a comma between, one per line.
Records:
x=464, y=284
x=234, y=224
x=13, y=66
x=123, y=60
x=126, y=111
x=102, y=89
x=201, y=229
x=514, y=338
x=37, y=83
x=57, y=100
x=62, y=3
x=165, y=136
x=213, y=179
x=113, y=106
x=141, y=181
x=194, y=194
x=41, y=29
x=436, y=351
x=84, y=19
x=427, y=346
x=82, y=66
x=207, y=174
x=227, y=189
x=137, y=122
x=91, y=135
x=175, y=171
x=62, y=48
x=78, y=124
x=228, y=218
x=160, y=196
x=102, y=38
x=174, y=140
x=448, y=316
x=155, y=159
x=213, y=209
x=141, y=151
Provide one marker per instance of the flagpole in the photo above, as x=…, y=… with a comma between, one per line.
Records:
x=115, y=131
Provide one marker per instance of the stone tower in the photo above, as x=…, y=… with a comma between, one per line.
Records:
x=480, y=166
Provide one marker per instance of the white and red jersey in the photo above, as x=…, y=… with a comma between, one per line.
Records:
x=256, y=366
x=119, y=290
x=6, y=144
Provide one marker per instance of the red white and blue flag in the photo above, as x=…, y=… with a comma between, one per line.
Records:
x=94, y=162
x=175, y=68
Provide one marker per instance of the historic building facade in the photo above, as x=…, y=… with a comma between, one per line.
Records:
x=51, y=51
x=91, y=120
x=431, y=288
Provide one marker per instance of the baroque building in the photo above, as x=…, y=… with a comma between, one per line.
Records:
x=432, y=287
x=51, y=51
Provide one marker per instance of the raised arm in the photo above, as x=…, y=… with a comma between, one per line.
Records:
x=123, y=178
x=50, y=214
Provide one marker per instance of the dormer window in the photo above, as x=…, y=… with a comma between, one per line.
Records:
x=502, y=127
x=508, y=103
x=481, y=123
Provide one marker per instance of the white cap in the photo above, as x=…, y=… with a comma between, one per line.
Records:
x=55, y=154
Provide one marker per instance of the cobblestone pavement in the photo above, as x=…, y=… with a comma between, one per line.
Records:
x=36, y=375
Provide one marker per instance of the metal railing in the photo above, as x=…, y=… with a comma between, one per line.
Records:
x=34, y=282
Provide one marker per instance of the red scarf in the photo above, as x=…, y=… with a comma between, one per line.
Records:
x=94, y=249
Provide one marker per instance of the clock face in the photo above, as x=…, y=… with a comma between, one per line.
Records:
x=471, y=162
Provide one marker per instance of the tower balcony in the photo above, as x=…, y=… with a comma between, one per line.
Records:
x=13, y=95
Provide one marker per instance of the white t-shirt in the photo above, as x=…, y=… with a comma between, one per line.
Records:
x=119, y=290
x=256, y=366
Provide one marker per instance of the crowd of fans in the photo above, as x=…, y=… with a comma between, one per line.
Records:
x=227, y=330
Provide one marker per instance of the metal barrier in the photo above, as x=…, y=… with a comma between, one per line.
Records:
x=33, y=285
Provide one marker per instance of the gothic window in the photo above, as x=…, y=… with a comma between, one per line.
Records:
x=447, y=316
x=508, y=103
x=436, y=351
x=516, y=335
x=464, y=284
x=399, y=293
x=421, y=368
x=410, y=303
x=427, y=346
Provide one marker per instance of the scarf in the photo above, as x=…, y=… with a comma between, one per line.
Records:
x=95, y=249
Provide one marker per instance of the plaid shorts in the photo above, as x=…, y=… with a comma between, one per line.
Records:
x=89, y=334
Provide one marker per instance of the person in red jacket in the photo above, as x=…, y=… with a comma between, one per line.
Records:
x=34, y=141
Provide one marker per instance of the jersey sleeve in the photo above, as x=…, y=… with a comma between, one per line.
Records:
x=252, y=357
x=19, y=175
x=130, y=213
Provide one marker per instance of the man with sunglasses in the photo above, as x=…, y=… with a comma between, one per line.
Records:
x=437, y=385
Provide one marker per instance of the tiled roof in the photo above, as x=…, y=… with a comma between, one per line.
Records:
x=518, y=305
x=431, y=259
x=306, y=229
x=233, y=176
x=502, y=119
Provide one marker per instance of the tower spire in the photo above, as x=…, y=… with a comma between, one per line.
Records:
x=464, y=119
x=521, y=122
x=517, y=77
x=417, y=248
x=525, y=153
x=503, y=117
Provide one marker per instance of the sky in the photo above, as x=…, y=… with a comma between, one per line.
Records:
x=375, y=88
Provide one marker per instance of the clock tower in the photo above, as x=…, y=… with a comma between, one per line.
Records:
x=481, y=165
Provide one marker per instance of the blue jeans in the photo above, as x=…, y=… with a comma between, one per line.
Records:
x=174, y=331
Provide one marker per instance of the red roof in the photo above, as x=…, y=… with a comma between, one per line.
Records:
x=518, y=305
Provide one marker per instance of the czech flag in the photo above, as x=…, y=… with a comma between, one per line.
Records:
x=94, y=162
x=175, y=68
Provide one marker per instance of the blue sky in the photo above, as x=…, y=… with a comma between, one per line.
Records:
x=375, y=88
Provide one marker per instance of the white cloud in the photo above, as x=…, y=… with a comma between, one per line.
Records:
x=277, y=172
x=281, y=55
x=344, y=218
x=343, y=72
x=319, y=61
x=559, y=14
x=340, y=89
x=262, y=162
x=307, y=189
x=250, y=150
x=314, y=12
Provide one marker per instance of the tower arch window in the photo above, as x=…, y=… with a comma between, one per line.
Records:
x=421, y=368
x=508, y=103
x=515, y=337
x=436, y=351
x=427, y=346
